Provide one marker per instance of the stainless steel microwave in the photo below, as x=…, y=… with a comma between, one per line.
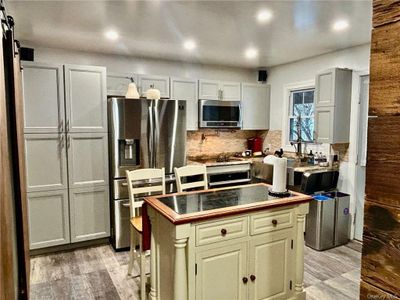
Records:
x=220, y=114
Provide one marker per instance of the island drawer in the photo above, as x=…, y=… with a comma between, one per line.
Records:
x=271, y=221
x=213, y=232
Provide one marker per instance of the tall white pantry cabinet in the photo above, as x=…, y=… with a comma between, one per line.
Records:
x=65, y=127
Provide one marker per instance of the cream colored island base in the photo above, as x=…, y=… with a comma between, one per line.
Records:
x=257, y=255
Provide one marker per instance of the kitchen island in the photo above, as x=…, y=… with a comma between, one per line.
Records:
x=231, y=243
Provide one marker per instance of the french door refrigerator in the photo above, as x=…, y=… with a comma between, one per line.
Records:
x=142, y=134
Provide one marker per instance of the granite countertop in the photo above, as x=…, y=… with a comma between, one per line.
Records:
x=194, y=206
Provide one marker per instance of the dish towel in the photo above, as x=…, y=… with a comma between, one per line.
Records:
x=146, y=228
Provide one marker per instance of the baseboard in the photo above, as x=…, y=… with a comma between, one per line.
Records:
x=69, y=247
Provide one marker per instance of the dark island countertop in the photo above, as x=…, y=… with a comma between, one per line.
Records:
x=196, y=206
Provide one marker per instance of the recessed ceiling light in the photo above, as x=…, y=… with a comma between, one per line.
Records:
x=340, y=25
x=189, y=45
x=264, y=16
x=111, y=35
x=251, y=53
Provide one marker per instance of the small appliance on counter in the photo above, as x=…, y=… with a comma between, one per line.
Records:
x=255, y=144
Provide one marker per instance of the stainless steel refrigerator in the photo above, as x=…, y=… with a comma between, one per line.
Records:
x=142, y=134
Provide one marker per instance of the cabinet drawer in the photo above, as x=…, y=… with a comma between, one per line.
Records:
x=214, y=232
x=271, y=221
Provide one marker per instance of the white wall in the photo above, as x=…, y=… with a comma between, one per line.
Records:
x=356, y=58
x=139, y=65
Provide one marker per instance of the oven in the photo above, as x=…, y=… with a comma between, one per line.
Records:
x=220, y=114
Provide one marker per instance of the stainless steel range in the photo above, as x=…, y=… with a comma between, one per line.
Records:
x=142, y=134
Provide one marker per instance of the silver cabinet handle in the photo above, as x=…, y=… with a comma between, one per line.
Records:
x=67, y=125
x=126, y=204
x=372, y=117
x=68, y=141
x=61, y=125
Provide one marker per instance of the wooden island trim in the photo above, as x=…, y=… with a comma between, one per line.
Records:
x=177, y=219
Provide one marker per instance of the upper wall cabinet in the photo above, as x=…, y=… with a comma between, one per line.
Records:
x=255, y=106
x=117, y=84
x=86, y=98
x=332, y=106
x=151, y=81
x=43, y=88
x=186, y=89
x=219, y=90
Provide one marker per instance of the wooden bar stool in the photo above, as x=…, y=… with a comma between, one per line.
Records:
x=188, y=171
x=141, y=183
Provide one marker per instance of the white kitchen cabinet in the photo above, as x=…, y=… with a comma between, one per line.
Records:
x=255, y=106
x=48, y=219
x=117, y=84
x=46, y=163
x=87, y=159
x=186, y=89
x=152, y=81
x=332, y=106
x=230, y=91
x=219, y=90
x=271, y=258
x=220, y=273
x=89, y=213
x=43, y=92
x=86, y=98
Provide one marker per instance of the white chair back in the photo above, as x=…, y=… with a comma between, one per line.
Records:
x=191, y=170
x=144, y=181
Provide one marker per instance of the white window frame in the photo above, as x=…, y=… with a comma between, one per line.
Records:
x=287, y=90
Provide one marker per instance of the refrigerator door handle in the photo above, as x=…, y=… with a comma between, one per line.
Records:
x=151, y=136
x=156, y=132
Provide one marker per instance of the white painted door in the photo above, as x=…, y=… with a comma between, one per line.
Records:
x=159, y=82
x=86, y=98
x=186, y=89
x=48, y=219
x=46, y=163
x=87, y=159
x=325, y=88
x=230, y=91
x=270, y=266
x=220, y=273
x=89, y=213
x=117, y=84
x=43, y=89
x=324, y=118
x=209, y=90
x=255, y=106
x=361, y=157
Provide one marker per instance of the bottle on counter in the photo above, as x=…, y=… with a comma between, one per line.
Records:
x=310, y=158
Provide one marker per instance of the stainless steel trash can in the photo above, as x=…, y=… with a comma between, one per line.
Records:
x=327, y=224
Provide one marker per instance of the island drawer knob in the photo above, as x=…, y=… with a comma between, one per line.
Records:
x=275, y=222
x=223, y=231
x=252, y=277
x=245, y=280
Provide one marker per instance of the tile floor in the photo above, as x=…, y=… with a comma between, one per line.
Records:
x=100, y=273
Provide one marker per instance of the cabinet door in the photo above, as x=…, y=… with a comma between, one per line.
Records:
x=48, y=219
x=86, y=98
x=271, y=262
x=43, y=88
x=46, y=163
x=255, y=106
x=324, y=118
x=230, y=91
x=220, y=273
x=325, y=88
x=87, y=159
x=89, y=213
x=117, y=84
x=186, y=89
x=159, y=82
x=209, y=90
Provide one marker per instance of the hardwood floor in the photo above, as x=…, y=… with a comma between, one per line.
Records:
x=100, y=273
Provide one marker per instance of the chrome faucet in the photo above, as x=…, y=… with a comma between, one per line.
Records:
x=297, y=144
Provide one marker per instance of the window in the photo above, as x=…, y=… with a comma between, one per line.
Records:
x=301, y=108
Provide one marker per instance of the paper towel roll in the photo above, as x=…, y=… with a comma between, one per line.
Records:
x=280, y=173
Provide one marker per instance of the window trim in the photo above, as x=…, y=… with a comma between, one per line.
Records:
x=287, y=89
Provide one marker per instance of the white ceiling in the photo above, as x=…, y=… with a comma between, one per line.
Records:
x=222, y=29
